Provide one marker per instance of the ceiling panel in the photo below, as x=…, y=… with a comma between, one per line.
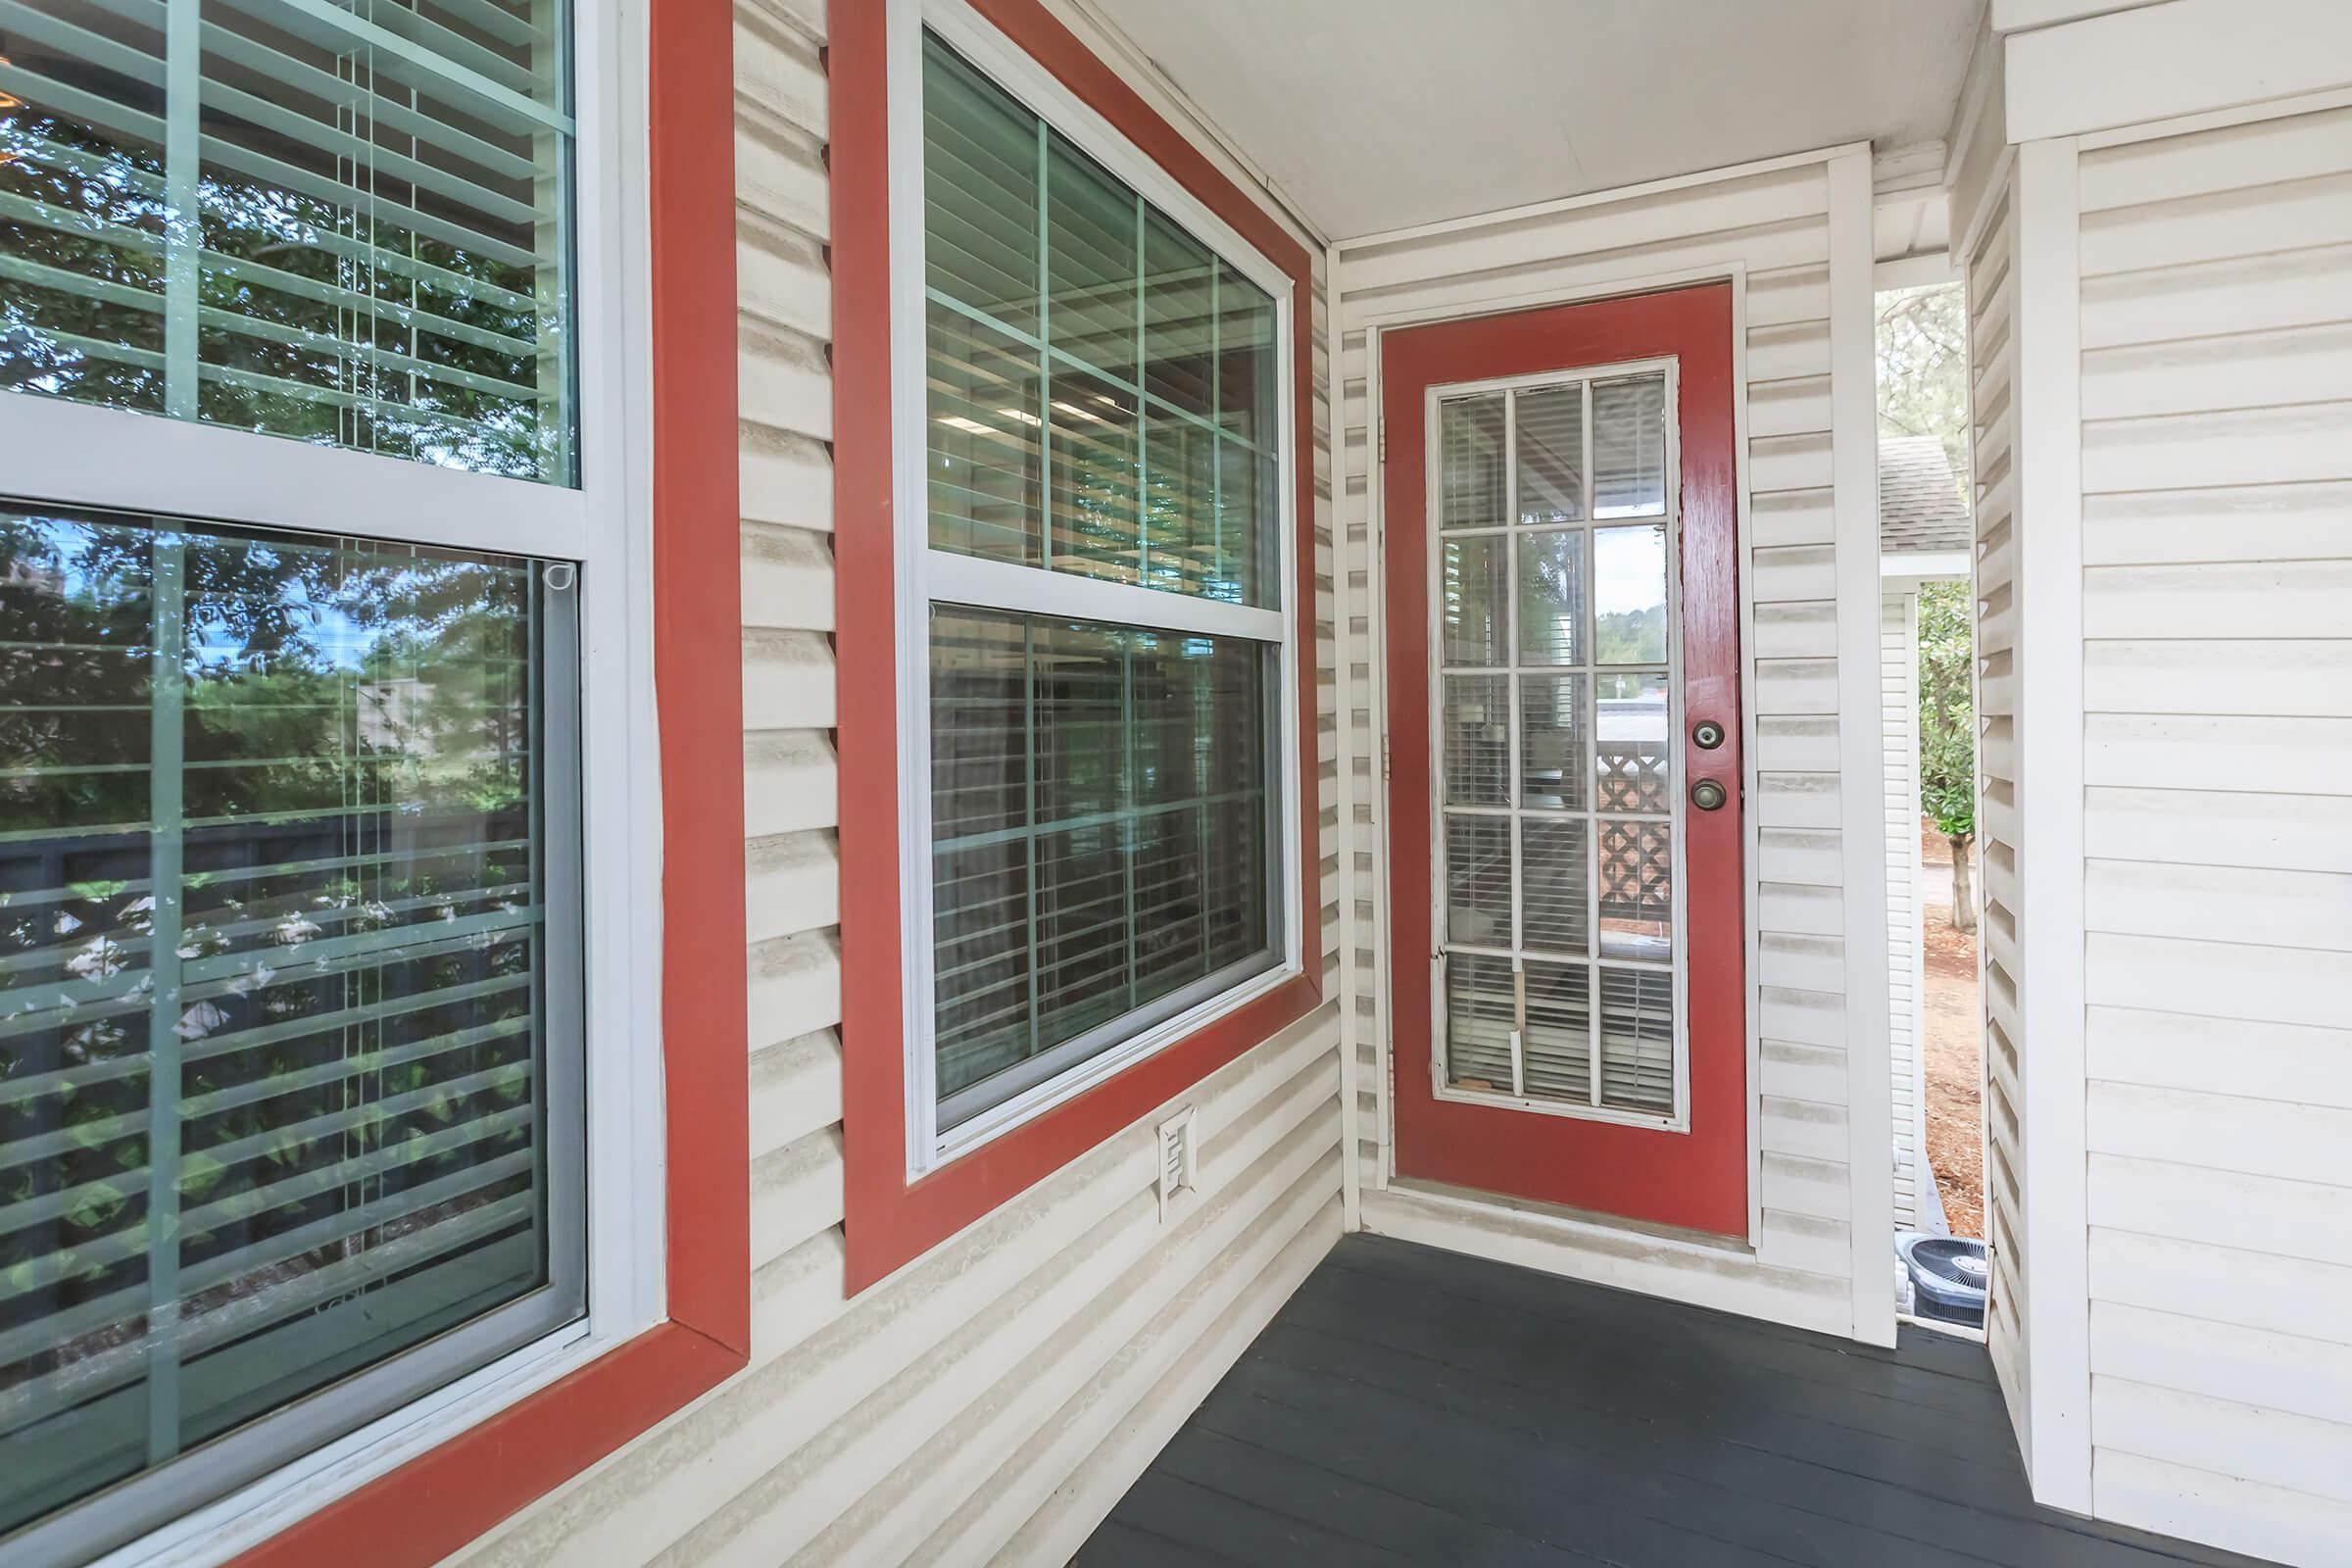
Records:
x=1379, y=114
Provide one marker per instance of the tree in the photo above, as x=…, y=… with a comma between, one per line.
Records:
x=1923, y=367
x=1947, y=732
x=1923, y=390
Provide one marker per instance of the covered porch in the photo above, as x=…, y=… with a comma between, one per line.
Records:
x=1410, y=1405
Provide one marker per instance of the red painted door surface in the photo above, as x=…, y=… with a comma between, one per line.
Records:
x=1564, y=705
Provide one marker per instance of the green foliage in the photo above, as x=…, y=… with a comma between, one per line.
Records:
x=1630, y=636
x=1923, y=367
x=1948, y=722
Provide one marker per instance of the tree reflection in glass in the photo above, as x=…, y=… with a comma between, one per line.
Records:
x=273, y=1023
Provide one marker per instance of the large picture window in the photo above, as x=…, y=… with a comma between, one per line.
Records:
x=1105, y=615
x=293, y=1067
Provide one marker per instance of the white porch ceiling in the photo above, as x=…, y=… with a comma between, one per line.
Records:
x=1374, y=115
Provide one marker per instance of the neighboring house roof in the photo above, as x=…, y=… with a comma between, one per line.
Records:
x=1920, y=509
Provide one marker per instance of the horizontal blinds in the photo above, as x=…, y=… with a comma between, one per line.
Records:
x=1101, y=385
x=1100, y=832
x=1554, y=729
x=274, y=1025
x=373, y=251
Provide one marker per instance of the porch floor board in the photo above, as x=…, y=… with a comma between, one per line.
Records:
x=1410, y=1405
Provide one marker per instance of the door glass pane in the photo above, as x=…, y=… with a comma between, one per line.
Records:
x=1475, y=572
x=1633, y=722
x=1552, y=455
x=1628, y=595
x=1629, y=448
x=1553, y=737
x=1477, y=742
x=1478, y=880
x=1636, y=890
x=1482, y=1007
x=1636, y=1040
x=1573, y=612
x=1472, y=474
x=1551, y=596
x=1558, y=1041
x=1553, y=884
x=287, y=1006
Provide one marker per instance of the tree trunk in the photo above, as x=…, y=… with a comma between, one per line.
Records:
x=1964, y=885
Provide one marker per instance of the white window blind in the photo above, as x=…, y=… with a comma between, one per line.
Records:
x=1106, y=611
x=341, y=220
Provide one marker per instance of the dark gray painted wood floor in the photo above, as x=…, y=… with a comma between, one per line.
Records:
x=1417, y=1406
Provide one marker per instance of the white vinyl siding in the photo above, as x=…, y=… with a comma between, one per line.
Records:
x=1898, y=727
x=1991, y=282
x=993, y=1398
x=2217, y=476
x=1776, y=225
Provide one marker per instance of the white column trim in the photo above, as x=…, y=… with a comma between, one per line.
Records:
x=2050, y=874
x=1862, y=784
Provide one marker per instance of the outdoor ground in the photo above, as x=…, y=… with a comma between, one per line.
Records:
x=1955, y=1043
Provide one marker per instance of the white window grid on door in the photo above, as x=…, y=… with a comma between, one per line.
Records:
x=84, y=456
x=925, y=576
x=1512, y=672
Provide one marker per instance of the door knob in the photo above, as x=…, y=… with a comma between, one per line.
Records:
x=1707, y=795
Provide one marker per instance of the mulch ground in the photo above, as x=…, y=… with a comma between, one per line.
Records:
x=1955, y=1061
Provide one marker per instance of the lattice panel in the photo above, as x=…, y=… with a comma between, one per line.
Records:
x=1632, y=776
x=1637, y=870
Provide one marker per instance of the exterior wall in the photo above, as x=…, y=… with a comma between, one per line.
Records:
x=2163, y=314
x=1906, y=1031
x=1819, y=1037
x=2216, y=300
x=991, y=1400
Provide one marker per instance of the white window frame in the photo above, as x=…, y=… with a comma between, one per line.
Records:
x=922, y=574
x=80, y=454
x=1677, y=1120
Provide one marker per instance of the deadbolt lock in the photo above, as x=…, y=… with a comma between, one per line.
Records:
x=1707, y=795
x=1706, y=734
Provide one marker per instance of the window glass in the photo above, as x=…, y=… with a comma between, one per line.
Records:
x=1079, y=332
x=1101, y=405
x=288, y=1062
x=1100, y=836
x=348, y=241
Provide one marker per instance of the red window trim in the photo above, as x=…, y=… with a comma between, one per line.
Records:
x=888, y=1219
x=435, y=1503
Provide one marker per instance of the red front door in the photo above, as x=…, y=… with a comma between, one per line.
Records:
x=1564, y=795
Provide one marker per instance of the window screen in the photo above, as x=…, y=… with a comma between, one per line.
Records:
x=289, y=1031
x=1100, y=406
x=346, y=224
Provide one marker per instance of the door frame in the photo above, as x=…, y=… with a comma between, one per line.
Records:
x=1376, y=324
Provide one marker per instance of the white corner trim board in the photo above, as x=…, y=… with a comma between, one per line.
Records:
x=1862, y=792
x=2048, y=546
